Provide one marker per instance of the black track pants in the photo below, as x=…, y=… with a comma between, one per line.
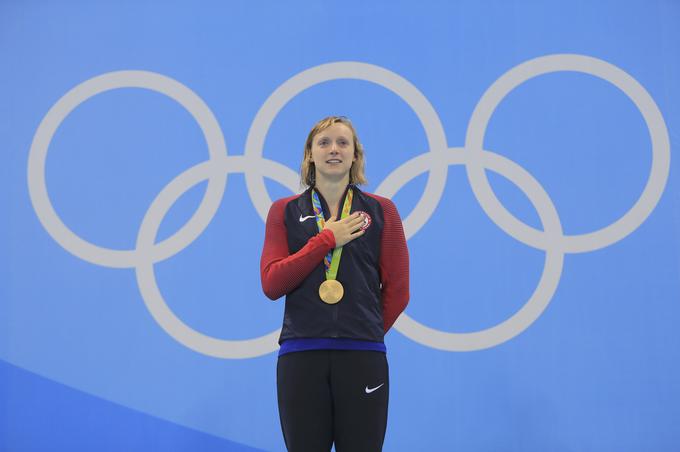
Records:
x=328, y=396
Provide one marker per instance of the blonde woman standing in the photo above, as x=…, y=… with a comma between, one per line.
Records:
x=339, y=256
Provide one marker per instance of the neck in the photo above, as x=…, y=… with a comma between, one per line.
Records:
x=332, y=191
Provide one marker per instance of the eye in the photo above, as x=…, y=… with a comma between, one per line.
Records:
x=343, y=143
x=323, y=142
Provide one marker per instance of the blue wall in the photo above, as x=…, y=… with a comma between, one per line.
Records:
x=526, y=144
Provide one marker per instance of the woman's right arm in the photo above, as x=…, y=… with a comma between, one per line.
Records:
x=281, y=272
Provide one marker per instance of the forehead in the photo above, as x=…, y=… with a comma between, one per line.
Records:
x=337, y=129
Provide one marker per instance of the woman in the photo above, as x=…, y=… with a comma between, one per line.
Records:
x=340, y=257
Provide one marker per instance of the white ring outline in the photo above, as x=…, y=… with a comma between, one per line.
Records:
x=37, y=187
x=579, y=243
x=352, y=70
x=146, y=278
x=550, y=276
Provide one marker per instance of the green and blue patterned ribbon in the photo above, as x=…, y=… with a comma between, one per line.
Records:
x=331, y=261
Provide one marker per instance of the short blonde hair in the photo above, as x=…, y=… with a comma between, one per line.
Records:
x=308, y=170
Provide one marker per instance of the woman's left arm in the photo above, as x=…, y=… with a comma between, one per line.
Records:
x=394, y=265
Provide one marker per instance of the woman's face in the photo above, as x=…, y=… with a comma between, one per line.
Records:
x=333, y=152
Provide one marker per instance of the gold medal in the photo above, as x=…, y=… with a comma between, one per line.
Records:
x=331, y=291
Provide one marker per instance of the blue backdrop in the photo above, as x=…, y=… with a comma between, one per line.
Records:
x=526, y=144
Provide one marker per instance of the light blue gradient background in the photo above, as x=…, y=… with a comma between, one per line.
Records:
x=598, y=371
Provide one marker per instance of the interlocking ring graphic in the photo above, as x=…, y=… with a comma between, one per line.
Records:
x=436, y=161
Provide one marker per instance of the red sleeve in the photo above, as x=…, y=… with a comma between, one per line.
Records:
x=393, y=264
x=280, y=271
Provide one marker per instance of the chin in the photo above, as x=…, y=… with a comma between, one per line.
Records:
x=335, y=175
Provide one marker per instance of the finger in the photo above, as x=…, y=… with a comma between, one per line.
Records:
x=352, y=217
x=358, y=221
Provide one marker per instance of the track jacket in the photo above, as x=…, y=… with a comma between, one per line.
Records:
x=373, y=269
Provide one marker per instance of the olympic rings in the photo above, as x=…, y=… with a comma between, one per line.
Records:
x=476, y=160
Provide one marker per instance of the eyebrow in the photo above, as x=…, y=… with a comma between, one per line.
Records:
x=326, y=137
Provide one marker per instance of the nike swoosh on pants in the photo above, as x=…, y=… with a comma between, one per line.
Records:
x=368, y=391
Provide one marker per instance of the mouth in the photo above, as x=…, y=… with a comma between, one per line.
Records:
x=334, y=161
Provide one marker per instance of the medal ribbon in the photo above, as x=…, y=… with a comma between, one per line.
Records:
x=331, y=261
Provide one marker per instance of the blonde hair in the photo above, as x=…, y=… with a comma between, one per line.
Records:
x=308, y=170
